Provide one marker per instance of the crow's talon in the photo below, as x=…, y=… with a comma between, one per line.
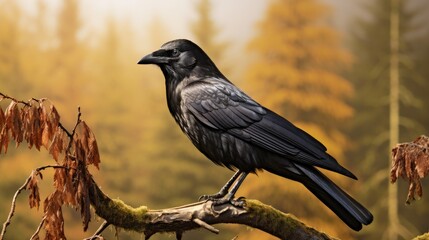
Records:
x=220, y=201
x=235, y=202
x=204, y=198
x=241, y=198
x=240, y=202
x=213, y=197
x=209, y=197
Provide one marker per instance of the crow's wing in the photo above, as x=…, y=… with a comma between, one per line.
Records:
x=221, y=106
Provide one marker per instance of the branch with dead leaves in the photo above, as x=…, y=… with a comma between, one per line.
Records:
x=411, y=162
x=38, y=124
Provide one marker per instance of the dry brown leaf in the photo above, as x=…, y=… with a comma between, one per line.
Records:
x=50, y=120
x=9, y=113
x=91, y=148
x=13, y=122
x=34, y=197
x=4, y=139
x=2, y=118
x=53, y=120
x=46, y=137
x=63, y=179
x=80, y=150
x=70, y=186
x=422, y=141
x=27, y=124
x=57, y=145
x=44, y=126
x=7, y=126
x=82, y=136
x=54, y=149
x=54, y=221
x=32, y=126
x=411, y=162
x=59, y=178
x=82, y=193
x=17, y=131
x=84, y=204
x=2, y=126
x=94, y=154
x=3, y=134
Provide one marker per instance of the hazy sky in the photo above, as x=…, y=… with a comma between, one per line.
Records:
x=235, y=18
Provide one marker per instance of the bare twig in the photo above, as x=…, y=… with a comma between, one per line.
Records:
x=52, y=166
x=60, y=125
x=14, y=99
x=71, y=135
x=38, y=228
x=12, y=208
x=179, y=235
x=13, y=205
x=97, y=233
x=203, y=224
x=78, y=120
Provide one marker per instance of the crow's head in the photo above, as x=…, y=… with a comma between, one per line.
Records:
x=180, y=58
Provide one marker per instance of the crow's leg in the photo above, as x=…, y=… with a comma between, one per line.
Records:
x=230, y=195
x=224, y=190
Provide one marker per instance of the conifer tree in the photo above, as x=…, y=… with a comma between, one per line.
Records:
x=370, y=131
x=68, y=58
x=11, y=52
x=206, y=34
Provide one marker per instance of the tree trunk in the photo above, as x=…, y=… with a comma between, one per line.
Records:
x=394, y=114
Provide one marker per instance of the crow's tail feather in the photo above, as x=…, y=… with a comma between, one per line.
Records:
x=343, y=205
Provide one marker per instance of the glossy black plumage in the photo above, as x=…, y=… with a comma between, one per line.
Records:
x=234, y=131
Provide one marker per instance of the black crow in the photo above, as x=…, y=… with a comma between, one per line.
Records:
x=234, y=131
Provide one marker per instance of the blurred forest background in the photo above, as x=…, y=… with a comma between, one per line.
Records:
x=323, y=64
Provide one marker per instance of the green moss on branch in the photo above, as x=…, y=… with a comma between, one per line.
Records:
x=279, y=224
x=181, y=219
x=117, y=213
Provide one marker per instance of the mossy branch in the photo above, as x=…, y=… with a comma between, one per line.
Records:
x=424, y=236
x=200, y=214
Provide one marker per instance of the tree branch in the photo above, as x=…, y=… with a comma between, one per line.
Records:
x=200, y=214
x=36, y=233
x=12, y=208
x=422, y=237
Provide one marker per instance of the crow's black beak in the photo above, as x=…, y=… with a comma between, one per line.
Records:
x=148, y=59
x=154, y=58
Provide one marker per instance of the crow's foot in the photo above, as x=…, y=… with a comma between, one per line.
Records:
x=229, y=199
x=239, y=202
x=213, y=197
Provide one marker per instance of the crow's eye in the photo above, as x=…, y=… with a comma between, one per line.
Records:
x=175, y=53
